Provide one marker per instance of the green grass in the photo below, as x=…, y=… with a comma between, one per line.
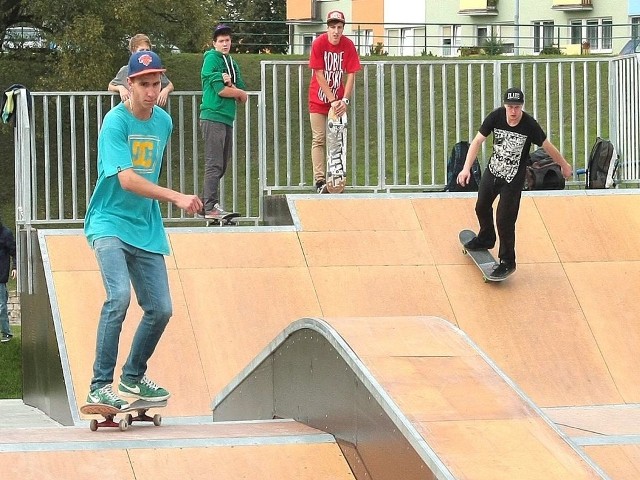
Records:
x=11, y=361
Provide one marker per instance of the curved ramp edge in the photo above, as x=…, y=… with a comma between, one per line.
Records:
x=410, y=392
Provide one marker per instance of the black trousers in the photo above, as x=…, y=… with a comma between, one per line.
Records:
x=506, y=214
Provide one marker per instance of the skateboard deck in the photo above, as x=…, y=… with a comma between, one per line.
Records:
x=336, y=152
x=109, y=413
x=225, y=220
x=482, y=258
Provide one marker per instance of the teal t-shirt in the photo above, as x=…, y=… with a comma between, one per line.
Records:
x=126, y=142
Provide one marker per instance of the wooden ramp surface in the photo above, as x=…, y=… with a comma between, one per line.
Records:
x=276, y=449
x=564, y=327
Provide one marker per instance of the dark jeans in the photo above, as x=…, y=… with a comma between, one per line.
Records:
x=506, y=214
x=218, y=142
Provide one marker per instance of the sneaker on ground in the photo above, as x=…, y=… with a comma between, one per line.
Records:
x=321, y=185
x=144, y=389
x=474, y=245
x=106, y=396
x=216, y=213
x=6, y=337
x=503, y=270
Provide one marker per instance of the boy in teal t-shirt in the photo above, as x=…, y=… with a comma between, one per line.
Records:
x=124, y=226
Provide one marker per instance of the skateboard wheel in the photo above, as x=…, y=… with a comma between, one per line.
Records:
x=93, y=425
x=129, y=418
x=157, y=419
x=123, y=424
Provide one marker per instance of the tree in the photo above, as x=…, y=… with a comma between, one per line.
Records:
x=259, y=25
x=92, y=35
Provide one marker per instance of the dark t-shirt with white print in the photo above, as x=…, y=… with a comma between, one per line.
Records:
x=511, y=145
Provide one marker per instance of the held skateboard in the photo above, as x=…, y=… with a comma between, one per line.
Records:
x=336, y=152
x=222, y=221
x=482, y=258
x=108, y=413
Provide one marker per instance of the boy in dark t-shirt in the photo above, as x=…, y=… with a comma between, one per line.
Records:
x=513, y=133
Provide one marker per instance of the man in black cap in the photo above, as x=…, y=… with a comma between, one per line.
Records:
x=514, y=131
x=7, y=268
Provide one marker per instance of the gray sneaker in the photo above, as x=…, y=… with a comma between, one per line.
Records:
x=106, y=396
x=145, y=389
x=217, y=213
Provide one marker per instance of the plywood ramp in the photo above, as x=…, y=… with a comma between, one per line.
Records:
x=276, y=449
x=478, y=424
x=458, y=410
x=564, y=328
x=231, y=294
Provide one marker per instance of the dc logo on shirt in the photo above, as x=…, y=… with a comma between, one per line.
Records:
x=143, y=150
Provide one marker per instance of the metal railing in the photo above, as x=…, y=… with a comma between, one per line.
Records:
x=62, y=157
x=404, y=118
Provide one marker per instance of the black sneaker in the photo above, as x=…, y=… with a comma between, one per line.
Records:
x=321, y=186
x=503, y=270
x=6, y=337
x=474, y=245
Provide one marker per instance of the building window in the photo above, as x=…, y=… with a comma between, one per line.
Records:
x=635, y=27
x=307, y=40
x=363, y=40
x=607, y=34
x=576, y=32
x=598, y=32
x=481, y=36
x=542, y=35
x=592, y=33
x=450, y=35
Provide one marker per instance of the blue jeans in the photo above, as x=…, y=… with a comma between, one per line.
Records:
x=121, y=266
x=4, y=315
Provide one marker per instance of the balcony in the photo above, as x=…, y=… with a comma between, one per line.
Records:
x=572, y=5
x=478, y=7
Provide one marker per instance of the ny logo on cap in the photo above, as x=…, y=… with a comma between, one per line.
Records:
x=145, y=59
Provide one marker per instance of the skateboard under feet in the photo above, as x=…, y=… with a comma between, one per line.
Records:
x=226, y=220
x=141, y=407
x=482, y=258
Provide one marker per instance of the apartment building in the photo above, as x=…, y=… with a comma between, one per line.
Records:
x=445, y=27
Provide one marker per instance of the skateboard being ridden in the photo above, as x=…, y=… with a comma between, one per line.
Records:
x=336, y=152
x=109, y=413
x=226, y=219
x=482, y=258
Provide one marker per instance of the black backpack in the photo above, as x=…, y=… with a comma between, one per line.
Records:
x=455, y=165
x=543, y=173
x=602, y=165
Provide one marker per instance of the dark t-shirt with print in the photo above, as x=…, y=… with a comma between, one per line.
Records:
x=511, y=145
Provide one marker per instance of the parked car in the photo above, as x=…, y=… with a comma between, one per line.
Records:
x=28, y=38
x=632, y=46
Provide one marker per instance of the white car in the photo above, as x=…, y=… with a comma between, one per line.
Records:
x=30, y=38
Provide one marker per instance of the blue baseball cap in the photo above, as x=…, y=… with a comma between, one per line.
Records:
x=220, y=30
x=144, y=62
